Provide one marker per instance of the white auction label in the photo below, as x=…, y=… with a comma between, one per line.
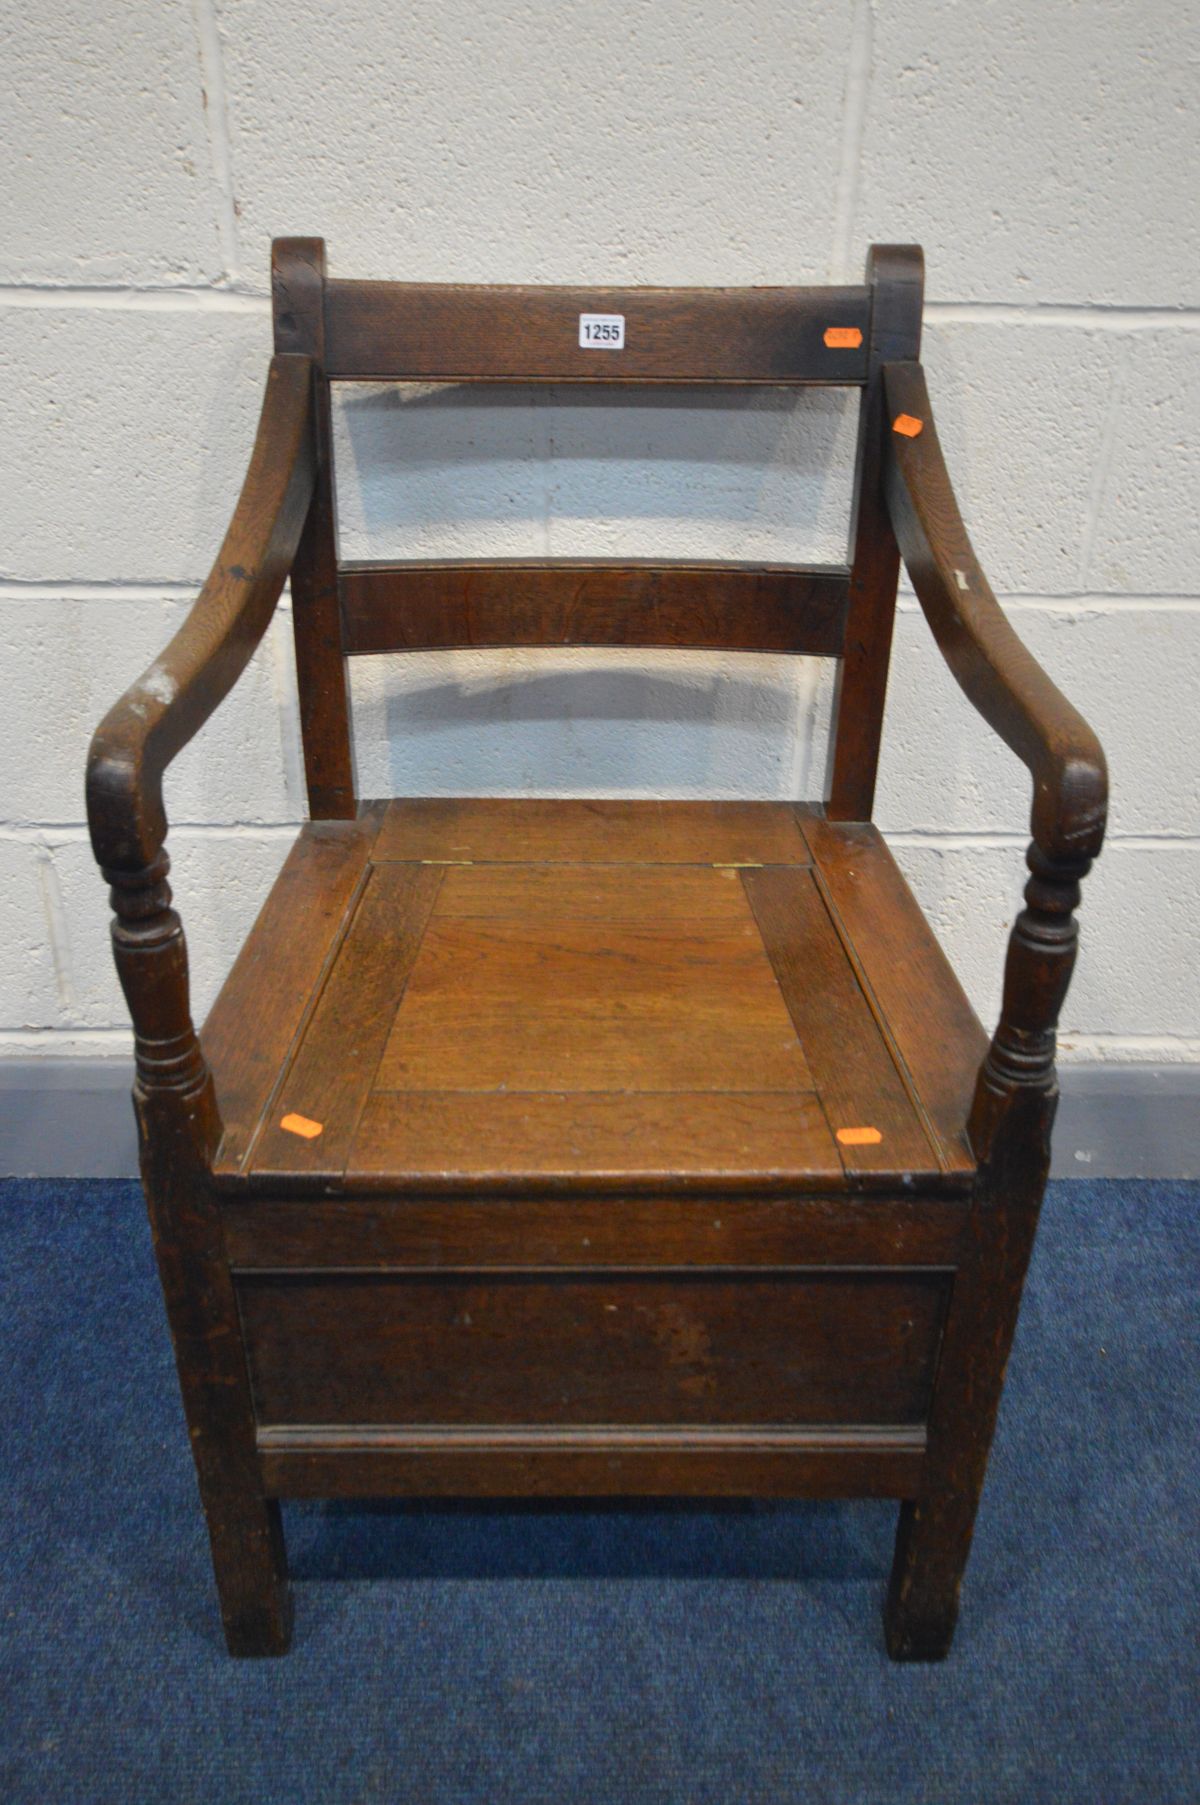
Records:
x=602, y=331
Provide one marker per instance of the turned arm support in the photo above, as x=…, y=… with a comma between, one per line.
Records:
x=154, y=719
x=1018, y=699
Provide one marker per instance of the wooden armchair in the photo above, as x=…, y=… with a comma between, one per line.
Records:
x=579, y=1148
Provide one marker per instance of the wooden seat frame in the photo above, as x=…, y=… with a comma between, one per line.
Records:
x=217, y=1227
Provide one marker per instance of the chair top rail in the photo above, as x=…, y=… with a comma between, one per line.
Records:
x=397, y=331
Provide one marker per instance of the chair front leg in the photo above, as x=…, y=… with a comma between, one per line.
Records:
x=178, y=1129
x=1013, y=1112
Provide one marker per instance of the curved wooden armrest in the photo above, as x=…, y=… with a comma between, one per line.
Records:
x=139, y=737
x=1001, y=677
x=1070, y=781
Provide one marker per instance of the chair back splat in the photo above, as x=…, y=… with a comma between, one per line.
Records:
x=407, y=332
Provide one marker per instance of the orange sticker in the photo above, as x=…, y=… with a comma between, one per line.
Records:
x=843, y=338
x=301, y=1125
x=908, y=424
x=859, y=1137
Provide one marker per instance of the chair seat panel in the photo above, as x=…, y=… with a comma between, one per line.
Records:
x=256, y=1020
x=533, y=997
x=514, y=1140
x=334, y=1066
x=603, y=978
x=903, y=967
x=634, y=832
x=862, y=1087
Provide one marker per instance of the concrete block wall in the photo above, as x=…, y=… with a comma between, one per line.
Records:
x=1044, y=154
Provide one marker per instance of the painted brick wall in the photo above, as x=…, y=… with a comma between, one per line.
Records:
x=1043, y=152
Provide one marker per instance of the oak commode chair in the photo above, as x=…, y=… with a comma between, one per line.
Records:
x=578, y=1148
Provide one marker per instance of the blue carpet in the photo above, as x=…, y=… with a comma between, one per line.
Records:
x=719, y=1654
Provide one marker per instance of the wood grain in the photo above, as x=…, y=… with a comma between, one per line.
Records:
x=690, y=902
x=930, y=1021
x=278, y=972
x=592, y=979
x=396, y=331
x=564, y=1348
x=599, y=832
x=525, y=1144
x=333, y=1069
x=853, y=1069
x=722, y=607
